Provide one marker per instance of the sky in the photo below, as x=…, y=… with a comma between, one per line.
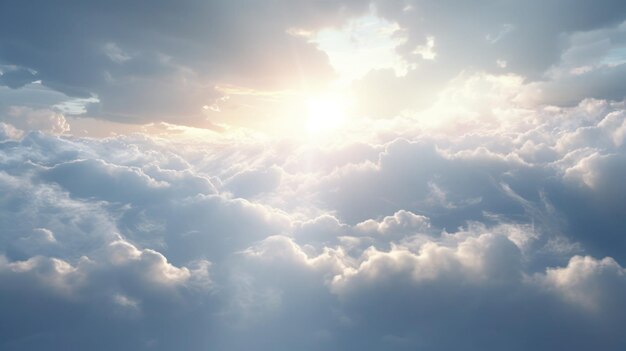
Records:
x=313, y=175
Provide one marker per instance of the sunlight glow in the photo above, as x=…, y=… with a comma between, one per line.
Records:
x=325, y=114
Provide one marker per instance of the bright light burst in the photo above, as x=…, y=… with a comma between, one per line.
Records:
x=326, y=113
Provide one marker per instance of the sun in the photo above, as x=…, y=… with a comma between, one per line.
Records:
x=325, y=113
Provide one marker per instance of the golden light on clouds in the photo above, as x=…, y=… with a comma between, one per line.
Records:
x=359, y=46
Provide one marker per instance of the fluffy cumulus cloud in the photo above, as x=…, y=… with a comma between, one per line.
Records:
x=486, y=213
x=401, y=240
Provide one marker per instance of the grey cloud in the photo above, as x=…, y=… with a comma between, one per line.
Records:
x=502, y=230
x=548, y=44
x=56, y=303
x=526, y=35
x=601, y=83
x=249, y=183
x=16, y=78
x=418, y=295
x=163, y=62
x=391, y=289
x=147, y=60
x=411, y=176
x=97, y=179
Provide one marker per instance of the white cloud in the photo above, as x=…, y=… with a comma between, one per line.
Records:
x=393, y=241
x=477, y=205
x=594, y=284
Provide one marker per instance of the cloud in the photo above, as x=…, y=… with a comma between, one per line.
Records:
x=17, y=78
x=69, y=304
x=495, y=229
x=160, y=61
x=507, y=32
x=588, y=282
x=252, y=182
x=165, y=63
x=564, y=51
x=484, y=212
x=601, y=83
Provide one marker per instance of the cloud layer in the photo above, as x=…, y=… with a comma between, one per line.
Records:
x=404, y=239
x=476, y=203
